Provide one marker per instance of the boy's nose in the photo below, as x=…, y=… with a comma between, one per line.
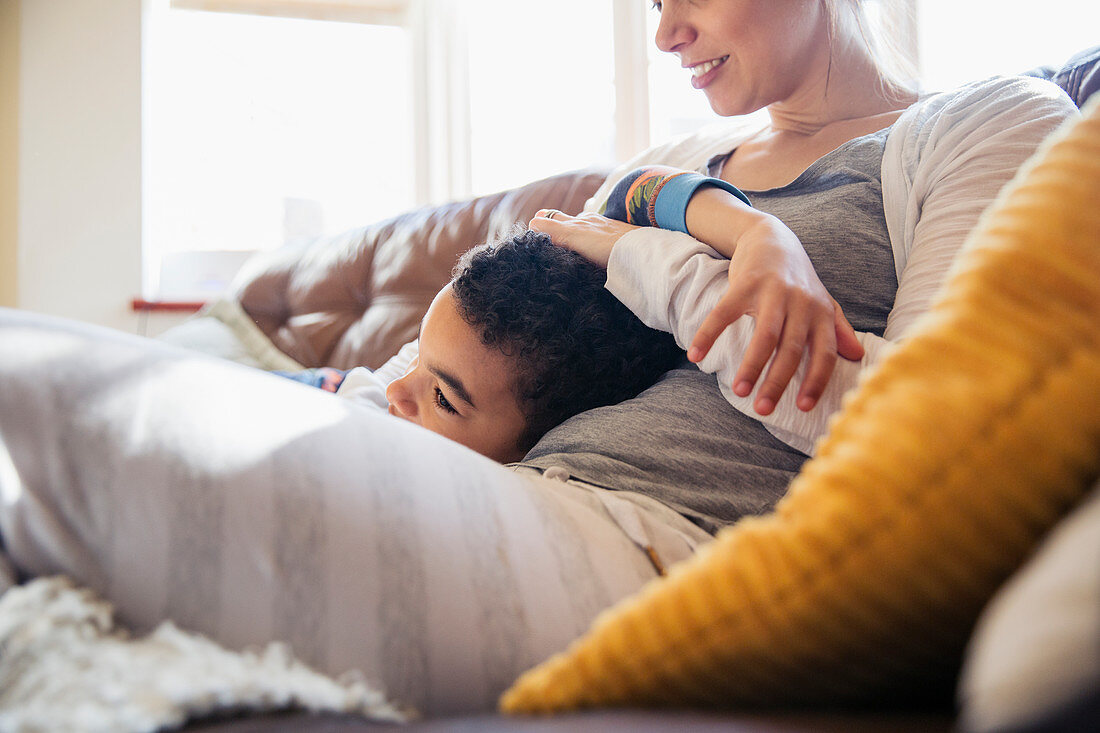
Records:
x=400, y=398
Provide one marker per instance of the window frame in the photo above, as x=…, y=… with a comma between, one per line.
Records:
x=373, y=12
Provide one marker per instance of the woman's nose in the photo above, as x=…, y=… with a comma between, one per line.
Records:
x=400, y=397
x=672, y=31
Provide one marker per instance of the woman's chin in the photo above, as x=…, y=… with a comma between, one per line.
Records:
x=727, y=101
x=723, y=106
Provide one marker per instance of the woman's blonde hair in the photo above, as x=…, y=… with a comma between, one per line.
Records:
x=886, y=28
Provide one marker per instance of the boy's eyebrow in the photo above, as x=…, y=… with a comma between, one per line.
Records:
x=454, y=383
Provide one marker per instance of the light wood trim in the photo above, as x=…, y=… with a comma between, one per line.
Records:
x=373, y=12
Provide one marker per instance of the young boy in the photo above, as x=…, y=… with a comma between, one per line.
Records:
x=523, y=337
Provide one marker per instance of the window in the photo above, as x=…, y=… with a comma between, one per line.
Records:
x=961, y=42
x=540, y=102
x=261, y=130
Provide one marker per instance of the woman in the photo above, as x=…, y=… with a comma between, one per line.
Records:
x=368, y=543
x=877, y=190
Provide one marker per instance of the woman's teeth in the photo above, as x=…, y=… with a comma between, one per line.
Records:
x=700, y=69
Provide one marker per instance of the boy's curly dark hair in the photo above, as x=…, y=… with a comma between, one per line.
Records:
x=575, y=345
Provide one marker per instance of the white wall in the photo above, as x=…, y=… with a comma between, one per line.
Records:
x=9, y=151
x=80, y=160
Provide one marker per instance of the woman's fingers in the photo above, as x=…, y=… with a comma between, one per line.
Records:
x=847, y=343
x=721, y=316
x=549, y=221
x=590, y=235
x=772, y=280
x=822, y=355
x=808, y=333
x=783, y=335
x=766, y=334
x=556, y=225
x=549, y=215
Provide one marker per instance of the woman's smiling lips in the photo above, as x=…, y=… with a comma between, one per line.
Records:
x=703, y=73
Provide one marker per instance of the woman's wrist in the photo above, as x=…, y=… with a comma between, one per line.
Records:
x=719, y=219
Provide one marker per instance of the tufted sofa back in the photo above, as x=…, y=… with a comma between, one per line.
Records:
x=354, y=298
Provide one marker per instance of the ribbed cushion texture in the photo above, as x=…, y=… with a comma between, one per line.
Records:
x=942, y=471
x=355, y=298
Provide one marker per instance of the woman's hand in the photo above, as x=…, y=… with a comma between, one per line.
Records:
x=590, y=235
x=772, y=280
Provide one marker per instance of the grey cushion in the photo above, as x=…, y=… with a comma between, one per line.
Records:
x=1079, y=76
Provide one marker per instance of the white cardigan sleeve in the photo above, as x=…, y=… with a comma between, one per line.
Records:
x=944, y=163
x=672, y=281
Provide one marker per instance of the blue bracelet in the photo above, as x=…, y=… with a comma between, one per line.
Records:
x=670, y=208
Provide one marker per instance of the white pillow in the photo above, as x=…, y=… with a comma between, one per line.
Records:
x=251, y=508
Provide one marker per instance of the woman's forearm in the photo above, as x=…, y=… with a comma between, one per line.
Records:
x=719, y=219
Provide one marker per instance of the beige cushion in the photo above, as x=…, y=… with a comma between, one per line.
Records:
x=1036, y=650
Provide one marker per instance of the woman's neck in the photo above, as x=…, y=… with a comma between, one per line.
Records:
x=846, y=88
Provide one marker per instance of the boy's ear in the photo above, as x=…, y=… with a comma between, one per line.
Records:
x=525, y=441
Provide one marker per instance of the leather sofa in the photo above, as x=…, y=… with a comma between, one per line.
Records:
x=355, y=298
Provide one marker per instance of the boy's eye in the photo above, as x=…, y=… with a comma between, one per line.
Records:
x=443, y=403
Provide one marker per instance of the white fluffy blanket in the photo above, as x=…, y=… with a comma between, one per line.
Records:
x=64, y=665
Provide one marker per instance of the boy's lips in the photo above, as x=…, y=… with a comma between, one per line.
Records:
x=704, y=72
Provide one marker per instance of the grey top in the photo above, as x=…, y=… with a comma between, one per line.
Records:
x=680, y=441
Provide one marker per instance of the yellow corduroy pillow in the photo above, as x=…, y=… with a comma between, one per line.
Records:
x=941, y=472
